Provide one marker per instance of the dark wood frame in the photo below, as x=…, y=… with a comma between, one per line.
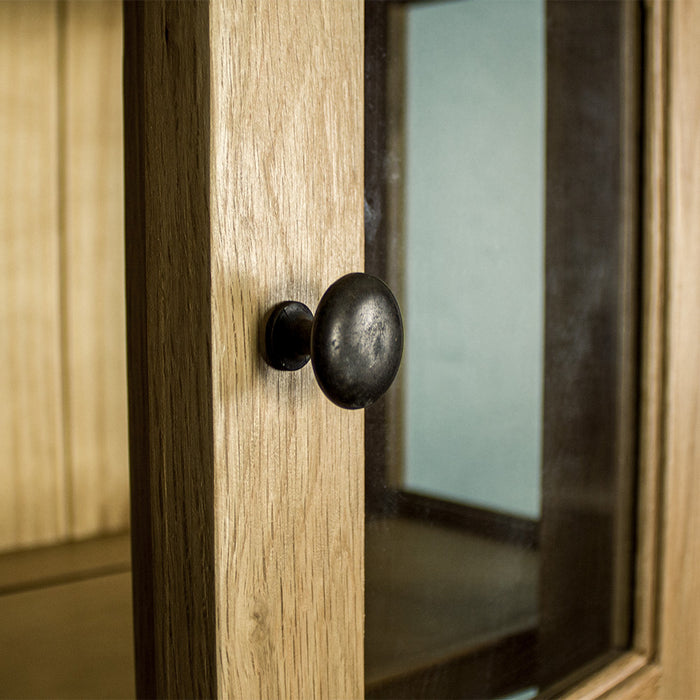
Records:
x=591, y=385
x=590, y=396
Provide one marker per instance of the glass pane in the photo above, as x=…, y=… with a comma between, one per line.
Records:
x=474, y=256
x=466, y=138
x=499, y=467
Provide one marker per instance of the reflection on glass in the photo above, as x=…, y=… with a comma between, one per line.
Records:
x=451, y=560
x=500, y=470
x=474, y=252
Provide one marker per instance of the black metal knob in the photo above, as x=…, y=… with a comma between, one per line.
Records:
x=354, y=341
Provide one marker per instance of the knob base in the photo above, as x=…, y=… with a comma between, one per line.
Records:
x=288, y=336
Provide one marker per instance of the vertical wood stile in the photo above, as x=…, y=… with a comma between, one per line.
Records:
x=286, y=191
x=92, y=182
x=32, y=489
x=680, y=607
x=244, y=187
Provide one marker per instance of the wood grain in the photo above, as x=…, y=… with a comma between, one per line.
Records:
x=629, y=677
x=612, y=676
x=643, y=685
x=94, y=326
x=169, y=346
x=244, y=187
x=32, y=479
x=680, y=609
x=287, y=207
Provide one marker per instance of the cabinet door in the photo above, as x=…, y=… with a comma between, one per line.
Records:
x=244, y=188
x=244, y=163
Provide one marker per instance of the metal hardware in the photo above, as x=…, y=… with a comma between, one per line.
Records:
x=354, y=341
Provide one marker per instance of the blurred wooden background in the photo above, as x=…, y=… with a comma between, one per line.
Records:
x=65, y=586
x=63, y=416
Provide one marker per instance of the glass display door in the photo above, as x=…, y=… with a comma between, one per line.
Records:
x=500, y=201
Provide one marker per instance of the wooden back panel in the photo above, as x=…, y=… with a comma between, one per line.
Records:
x=63, y=437
x=32, y=466
x=680, y=603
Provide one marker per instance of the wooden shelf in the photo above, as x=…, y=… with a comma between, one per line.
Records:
x=434, y=594
x=66, y=627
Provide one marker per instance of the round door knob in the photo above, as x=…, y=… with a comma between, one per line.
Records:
x=354, y=341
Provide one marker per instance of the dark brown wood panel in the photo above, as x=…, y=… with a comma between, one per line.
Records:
x=169, y=373
x=590, y=394
x=376, y=242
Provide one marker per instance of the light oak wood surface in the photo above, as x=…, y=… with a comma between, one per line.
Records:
x=93, y=314
x=680, y=608
x=63, y=438
x=287, y=207
x=642, y=685
x=608, y=679
x=244, y=188
x=32, y=468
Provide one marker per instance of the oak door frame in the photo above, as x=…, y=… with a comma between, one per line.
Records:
x=166, y=493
